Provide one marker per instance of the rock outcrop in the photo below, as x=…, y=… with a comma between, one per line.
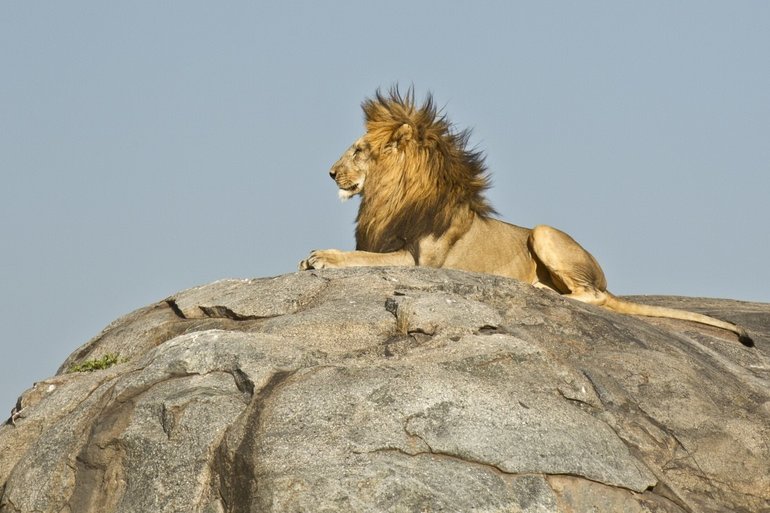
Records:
x=398, y=390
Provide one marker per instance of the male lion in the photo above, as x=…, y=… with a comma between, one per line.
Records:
x=422, y=204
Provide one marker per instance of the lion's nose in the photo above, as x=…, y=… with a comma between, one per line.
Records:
x=333, y=173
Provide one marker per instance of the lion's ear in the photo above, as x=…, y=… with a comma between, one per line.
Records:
x=402, y=134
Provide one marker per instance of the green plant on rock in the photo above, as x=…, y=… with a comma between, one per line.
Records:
x=104, y=362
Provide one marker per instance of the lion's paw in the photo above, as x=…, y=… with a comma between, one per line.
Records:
x=323, y=259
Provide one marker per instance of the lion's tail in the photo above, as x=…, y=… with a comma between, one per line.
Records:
x=628, y=307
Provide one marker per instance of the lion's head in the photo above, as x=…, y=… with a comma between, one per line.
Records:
x=350, y=170
x=413, y=172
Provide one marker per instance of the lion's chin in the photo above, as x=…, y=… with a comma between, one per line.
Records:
x=349, y=192
x=346, y=194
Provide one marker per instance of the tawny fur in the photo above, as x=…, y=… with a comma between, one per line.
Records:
x=422, y=203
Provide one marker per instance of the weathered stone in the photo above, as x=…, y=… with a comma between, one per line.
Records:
x=399, y=390
x=248, y=299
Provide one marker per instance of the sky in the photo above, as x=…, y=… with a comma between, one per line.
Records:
x=147, y=147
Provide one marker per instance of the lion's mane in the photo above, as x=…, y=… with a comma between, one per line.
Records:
x=422, y=174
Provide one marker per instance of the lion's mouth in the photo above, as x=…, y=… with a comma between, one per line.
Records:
x=347, y=192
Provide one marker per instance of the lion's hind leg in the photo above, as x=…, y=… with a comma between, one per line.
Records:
x=565, y=266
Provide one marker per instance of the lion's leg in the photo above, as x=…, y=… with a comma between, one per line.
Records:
x=334, y=258
x=572, y=270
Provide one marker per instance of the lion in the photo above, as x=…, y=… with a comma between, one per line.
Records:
x=422, y=203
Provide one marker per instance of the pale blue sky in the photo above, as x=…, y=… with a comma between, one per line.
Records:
x=147, y=147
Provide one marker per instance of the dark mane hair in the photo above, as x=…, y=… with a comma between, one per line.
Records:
x=423, y=173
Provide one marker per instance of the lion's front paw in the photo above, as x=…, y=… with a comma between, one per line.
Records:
x=323, y=259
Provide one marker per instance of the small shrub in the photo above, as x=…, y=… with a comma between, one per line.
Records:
x=104, y=362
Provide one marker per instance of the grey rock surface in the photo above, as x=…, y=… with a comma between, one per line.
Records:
x=398, y=390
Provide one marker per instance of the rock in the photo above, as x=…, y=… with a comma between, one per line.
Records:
x=399, y=390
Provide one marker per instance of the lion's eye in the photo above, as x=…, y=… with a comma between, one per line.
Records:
x=357, y=152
